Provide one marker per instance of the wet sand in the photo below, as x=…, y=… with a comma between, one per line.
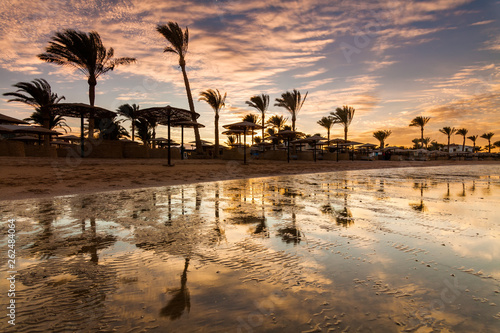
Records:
x=386, y=250
x=26, y=178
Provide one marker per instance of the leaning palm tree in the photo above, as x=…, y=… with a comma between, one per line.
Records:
x=85, y=52
x=488, y=137
x=179, y=41
x=463, y=132
x=344, y=117
x=277, y=122
x=261, y=103
x=420, y=121
x=473, y=138
x=38, y=94
x=292, y=102
x=217, y=102
x=449, y=132
x=130, y=112
x=327, y=122
x=382, y=136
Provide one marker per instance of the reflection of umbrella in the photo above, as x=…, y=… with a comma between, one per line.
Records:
x=244, y=125
x=167, y=115
x=189, y=124
x=288, y=134
x=81, y=110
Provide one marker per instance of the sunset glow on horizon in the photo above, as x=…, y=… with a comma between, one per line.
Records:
x=391, y=60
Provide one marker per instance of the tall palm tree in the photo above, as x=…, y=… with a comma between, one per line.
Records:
x=327, y=122
x=217, y=102
x=488, y=137
x=420, y=121
x=344, y=117
x=463, y=132
x=85, y=52
x=449, y=132
x=261, y=103
x=473, y=138
x=38, y=94
x=277, y=122
x=129, y=112
x=292, y=102
x=382, y=136
x=179, y=41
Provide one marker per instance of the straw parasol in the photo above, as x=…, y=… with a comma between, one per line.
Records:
x=4, y=119
x=243, y=125
x=82, y=111
x=314, y=140
x=288, y=134
x=167, y=115
x=188, y=124
x=337, y=141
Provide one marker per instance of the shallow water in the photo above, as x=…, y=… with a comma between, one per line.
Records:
x=395, y=250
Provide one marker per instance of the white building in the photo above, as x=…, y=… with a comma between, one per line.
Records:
x=454, y=148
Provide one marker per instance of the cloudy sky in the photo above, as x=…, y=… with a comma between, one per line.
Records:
x=391, y=60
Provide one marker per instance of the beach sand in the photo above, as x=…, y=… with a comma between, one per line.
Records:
x=25, y=178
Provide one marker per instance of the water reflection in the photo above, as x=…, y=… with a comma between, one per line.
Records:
x=333, y=243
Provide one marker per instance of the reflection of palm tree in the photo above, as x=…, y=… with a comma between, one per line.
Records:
x=85, y=52
x=290, y=233
x=419, y=206
x=181, y=298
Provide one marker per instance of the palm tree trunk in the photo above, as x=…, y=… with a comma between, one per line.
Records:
x=448, y=143
x=489, y=146
x=92, y=84
x=328, y=130
x=345, y=132
x=133, y=128
x=422, y=136
x=46, y=124
x=199, y=148
x=293, y=122
x=263, y=147
x=463, y=146
x=216, y=153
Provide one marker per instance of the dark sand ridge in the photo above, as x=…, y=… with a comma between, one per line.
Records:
x=24, y=178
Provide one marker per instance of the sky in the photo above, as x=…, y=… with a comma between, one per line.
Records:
x=391, y=60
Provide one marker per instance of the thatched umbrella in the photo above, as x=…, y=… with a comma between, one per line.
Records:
x=188, y=124
x=337, y=141
x=314, y=140
x=167, y=115
x=244, y=125
x=82, y=111
x=288, y=134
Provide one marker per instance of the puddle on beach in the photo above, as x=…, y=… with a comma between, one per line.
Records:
x=394, y=250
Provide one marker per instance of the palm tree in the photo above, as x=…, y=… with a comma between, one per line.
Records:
x=473, y=138
x=129, y=112
x=327, y=122
x=85, y=52
x=344, y=117
x=54, y=121
x=382, y=136
x=292, y=102
x=143, y=128
x=38, y=94
x=261, y=103
x=179, y=41
x=426, y=141
x=421, y=122
x=277, y=122
x=252, y=118
x=463, y=132
x=488, y=137
x=449, y=132
x=110, y=129
x=497, y=144
x=217, y=102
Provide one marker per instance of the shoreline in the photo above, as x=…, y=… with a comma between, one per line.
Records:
x=38, y=178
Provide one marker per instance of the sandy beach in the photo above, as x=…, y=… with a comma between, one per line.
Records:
x=25, y=178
